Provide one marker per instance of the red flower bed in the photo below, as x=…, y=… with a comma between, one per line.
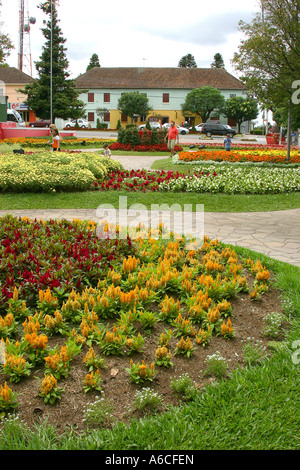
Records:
x=78, y=257
x=144, y=148
x=142, y=180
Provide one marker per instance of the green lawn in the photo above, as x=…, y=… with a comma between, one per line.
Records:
x=256, y=408
x=92, y=199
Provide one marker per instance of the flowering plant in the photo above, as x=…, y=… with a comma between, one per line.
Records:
x=139, y=373
x=50, y=392
x=92, y=381
x=8, y=399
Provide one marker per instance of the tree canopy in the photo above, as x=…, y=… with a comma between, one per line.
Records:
x=269, y=56
x=241, y=109
x=218, y=62
x=203, y=101
x=134, y=103
x=94, y=62
x=65, y=102
x=187, y=61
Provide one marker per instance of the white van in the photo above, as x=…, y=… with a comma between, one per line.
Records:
x=14, y=116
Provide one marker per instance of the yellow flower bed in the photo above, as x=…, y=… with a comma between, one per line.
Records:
x=48, y=171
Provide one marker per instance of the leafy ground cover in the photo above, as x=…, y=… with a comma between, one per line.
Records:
x=132, y=314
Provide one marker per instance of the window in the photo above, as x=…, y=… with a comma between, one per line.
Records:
x=166, y=98
x=91, y=98
x=91, y=117
x=232, y=95
x=106, y=97
x=124, y=117
x=106, y=117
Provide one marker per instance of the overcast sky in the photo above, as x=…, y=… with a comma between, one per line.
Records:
x=135, y=33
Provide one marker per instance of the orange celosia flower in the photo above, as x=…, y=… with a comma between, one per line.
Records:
x=48, y=384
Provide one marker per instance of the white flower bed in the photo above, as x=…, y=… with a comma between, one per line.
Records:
x=235, y=179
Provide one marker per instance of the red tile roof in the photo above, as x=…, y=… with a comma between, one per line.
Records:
x=11, y=75
x=139, y=78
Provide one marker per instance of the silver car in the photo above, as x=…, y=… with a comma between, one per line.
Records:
x=181, y=130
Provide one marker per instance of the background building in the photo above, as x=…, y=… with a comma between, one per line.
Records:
x=165, y=88
x=11, y=80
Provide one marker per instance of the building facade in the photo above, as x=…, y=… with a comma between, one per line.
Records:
x=165, y=88
x=11, y=80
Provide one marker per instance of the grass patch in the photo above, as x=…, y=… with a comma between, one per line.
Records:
x=92, y=199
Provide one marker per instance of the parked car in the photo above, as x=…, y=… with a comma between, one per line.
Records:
x=152, y=124
x=81, y=123
x=181, y=130
x=198, y=127
x=40, y=123
x=209, y=129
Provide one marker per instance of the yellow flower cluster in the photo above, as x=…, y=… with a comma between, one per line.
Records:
x=163, y=352
x=14, y=362
x=51, y=323
x=5, y=393
x=226, y=329
x=7, y=320
x=54, y=361
x=36, y=342
x=129, y=264
x=31, y=324
x=49, y=384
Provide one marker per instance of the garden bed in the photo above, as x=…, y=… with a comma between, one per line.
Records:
x=122, y=298
x=50, y=172
x=255, y=155
x=242, y=179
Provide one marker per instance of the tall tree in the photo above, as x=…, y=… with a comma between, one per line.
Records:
x=94, y=62
x=203, y=101
x=241, y=109
x=134, y=103
x=269, y=56
x=187, y=61
x=218, y=62
x=65, y=102
x=5, y=44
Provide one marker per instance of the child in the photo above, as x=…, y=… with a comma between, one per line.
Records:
x=55, y=138
x=227, y=142
x=106, y=152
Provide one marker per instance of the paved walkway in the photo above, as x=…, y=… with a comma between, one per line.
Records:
x=276, y=234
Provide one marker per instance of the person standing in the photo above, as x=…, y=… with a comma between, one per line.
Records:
x=227, y=143
x=173, y=137
x=55, y=138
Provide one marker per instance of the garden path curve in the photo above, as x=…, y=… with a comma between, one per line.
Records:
x=275, y=234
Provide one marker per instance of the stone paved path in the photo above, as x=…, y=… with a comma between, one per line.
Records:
x=276, y=234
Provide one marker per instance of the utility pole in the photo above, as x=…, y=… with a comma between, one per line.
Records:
x=21, y=35
x=24, y=54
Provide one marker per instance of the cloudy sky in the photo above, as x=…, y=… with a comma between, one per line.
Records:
x=135, y=33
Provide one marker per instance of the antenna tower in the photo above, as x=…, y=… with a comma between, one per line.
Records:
x=24, y=55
